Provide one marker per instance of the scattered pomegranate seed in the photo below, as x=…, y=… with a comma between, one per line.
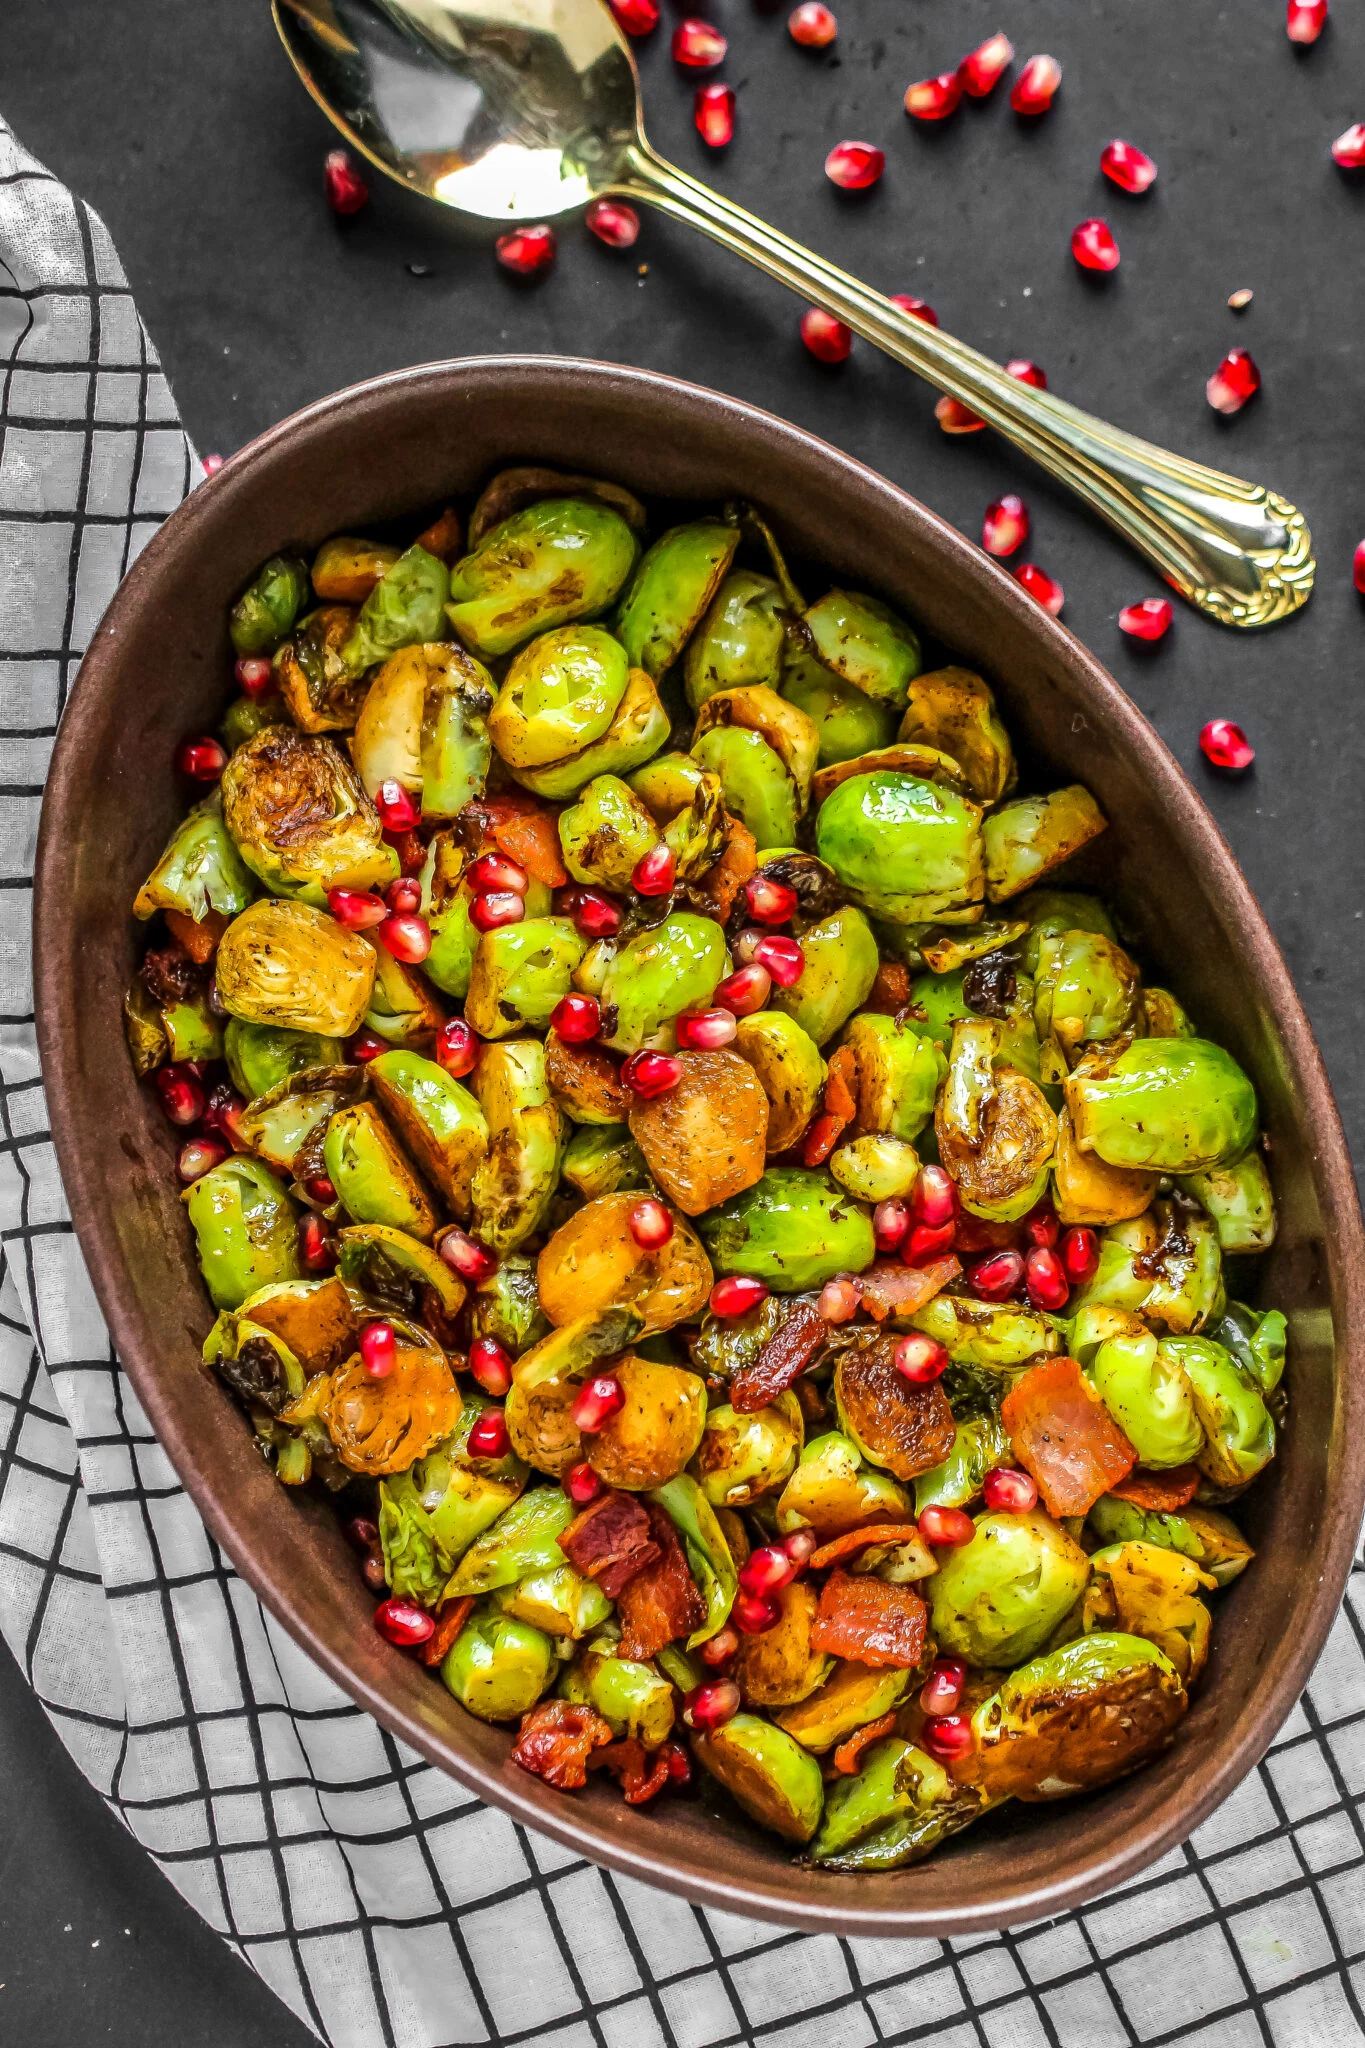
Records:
x=801, y=1546
x=636, y=17
x=466, y=1256
x=745, y=944
x=982, y=69
x=346, y=190
x=598, y=1400
x=1041, y=1225
x=596, y=916
x=713, y=115
x=942, y=1689
x=201, y=758
x=493, y=873
x=651, y=1073
x=1349, y=148
x=1239, y=300
x=457, y=1049
x=211, y=464
x=918, y=309
x=839, y=1300
x=711, y=1704
x=1127, y=166
x=254, y=674
x=1046, y=1280
x=1224, y=745
x=182, y=1095
x=1234, y=381
x=1146, y=621
x=745, y=991
x=614, y=223
x=698, y=45
x=946, y=1528
x=933, y=99
x=1009, y=1492
x=1005, y=526
x=933, y=1198
x=1036, y=86
x=948, y=1737
x=1358, y=567
x=921, y=1359
x=706, y=1030
x=812, y=26
x=767, y=1570
x=1080, y=1255
x=997, y=1277
x=926, y=1242
x=736, y=1294
x=828, y=340
x=890, y=1224
x=650, y=1225
x=782, y=958
x=198, y=1156
x=397, y=811
x=498, y=907
x=1305, y=20
x=679, y=1763
x=404, y=1623
x=223, y=1113
x=753, y=1614
x=357, y=909
x=652, y=874
x=582, y=1484
x=491, y=1365
x=1094, y=247
x=769, y=901
x=1025, y=372
x=408, y=936
x=488, y=1438
x=378, y=1349
x=527, y=251
x=720, y=1648
x=319, y=1189
x=577, y=1019
x=316, y=1253
x=1044, y=589
x=854, y=166
x=956, y=418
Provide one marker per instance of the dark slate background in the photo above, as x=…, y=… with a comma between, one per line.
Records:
x=181, y=121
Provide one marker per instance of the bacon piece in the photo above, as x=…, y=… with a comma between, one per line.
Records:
x=661, y=1602
x=840, y=1108
x=890, y=992
x=451, y=1617
x=199, y=936
x=1159, y=1492
x=555, y=1741
x=848, y=1757
x=533, y=839
x=639, y=1775
x=782, y=1359
x=610, y=1541
x=1063, y=1434
x=901, y=1290
x=444, y=537
x=870, y=1621
x=854, y=1540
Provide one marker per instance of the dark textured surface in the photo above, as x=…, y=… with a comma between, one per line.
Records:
x=203, y=157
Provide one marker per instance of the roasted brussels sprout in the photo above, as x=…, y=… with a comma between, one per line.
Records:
x=390, y=1267
x=260, y=1056
x=1170, y=1105
x=603, y=1159
x=1239, y=1433
x=1146, y=1390
x=765, y=1771
x=1035, y=834
x=979, y=1445
x=671, y=590
x=1087, y=991
x=594, y=1262
x=841, y=965
x=779, y=1667
x=847, y=723
x=285, y=1125
x=515, y=1184
x=704, y=1139
x=794, y=1229
x=498, y=1666
x=300, y=818
x=316, y=687
x=1256, y=1341
x=658, y=974
x=787, y=730
x=1150, y=1590
x=905, y=849
x=1075, y=1718
x=637, y=731
x=895, y=1779
x=560, y=693
x=1051, y=911
x=523, y=1539
x=865, y=643
x=430, y=1514
x=402, y=1008
x=652, y=1435
x=952, y=709
x=269, y=605
x=518, y=974
x=998, y=1599
x=345, y=570
x=739, y=641
x=606, y=833
x=506, y=1305
x=877, y=1168
x=759, y=788
x=898, y=1074
x=851, y=1697
x=403, y=610
x=790, y=1071
x=370, y=1173
x=558, y=560
x=1086, y=1190
x=1216, y=1544
x=998, y=1335
x=244, y=1223
x=379, y=1426
x=512, y=490
x=832, y=1491
x=634, y=1699
x=1239, y=1200
x=200, y=871
x=425, y=724
x=740, y=1457
x=437, y=1119
x=995, y=1128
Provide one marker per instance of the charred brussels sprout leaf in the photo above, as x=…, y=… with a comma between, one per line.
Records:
x=708, y=1554
x=345, y=570
x=1256, y=1341
x=288, y=964
x=602, y=1159
x=507, y=1306
x=787, y=730
x=740, y=640
x=269, y=605
x=403, y=610
x=200, y=870
x=865, y=643
x=671, y=589
x=244, y=1223
x=557, y=560
x=906, y=849
x=1169, y=1105
x=301, y=819
x=795, y=1229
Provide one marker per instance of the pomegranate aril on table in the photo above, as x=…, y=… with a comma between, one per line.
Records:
x=698, y=45
x=1148, y=620
x=1042, y=588
x=1006, y=525
x=1127, y=166
x=527, y=251
x=812, y=25
x=1224, y=745
x=713, y=115
x=982, y=69
x=828, y=340
x=1036, y=86
x=346, y=190
x=854, y=165
x=637, y=17
x=933, y=99
x=918, y=309
x=956, y=418
x=1094, y=247
x=1349, y=148
x=1305, y=20
x=614, y=223
x=1234, y=381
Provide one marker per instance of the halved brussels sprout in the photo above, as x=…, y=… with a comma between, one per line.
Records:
x=269, y=605
x=1165, y=1016
x=244, y=1223
x=789, y=1067
x=402, y=1008
x=498, y=1666
x=877, y=1168
x=1035, y=834
x=1256, y=1340
x=952, y=709
x=379, y=1426
x=403, y=610
x=507, y=1306
x=186, y=1030
x=832, y=1491
x=846, y=722
x=603, y=1159
x=759, y=788
x=1169, y=1105
x=788, y=731
x=795, y=1229
x=1087, y=991
x=637, y=731
x=586, y=1081
x=741, y=1457
x=667, y=784
x=291, y=965
x=906, y=849
x=849, y=1698
x=523, y=1539
x=865, y=643
x=200, y=870
x=709, y=1558
x=907, y=1429
x=997, y=1599
x=995, y=1128
x=898, y=1074
x=704, y=1138
x=512, y=490
x=1215, y=1543
x=371, y=1173
x=739, y=641
x=1151, y=1591
x=671, y=589
x=841, y=965
x=945, y=951
x=592, y=1262
x=285, y=1125
x=772, y=1777
x=1086, y=1190
x=557, y=560
x=561, y=1602
x=301, y=819
x=345, y=570
x=425, y=724
x=634, y=1699
x=895, y=1779
x=1239, y=1199
x=519, y=973
x=389, y=1266
x=1050, y=911
x=998, y=1335
x=658, y=974
x=561, y=692
x=318, y=690
x=437, y=1119
x=605, y=833
x=1147, y=1392
x=260, y=1056
x=779, y=1667
x=1239, y=1432
x=1078, y=1717
x=515, y=1184
x=979, y=1445
x=652, y=1435
x=430, y=1514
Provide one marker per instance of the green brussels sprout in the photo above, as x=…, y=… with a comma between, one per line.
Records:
x=912, y=1836
x=1147, y=1393
x=996, y=1600
x=758, y=788
x=389, y=1266
x=841, y=965
x=904, y=848
x=979, y=1445
x=405, y=609
x=832, y=1491
x=636, y=733
x=519, y=973
x=555, y=561
x=1076, y=1718
x=851, y=1696
x=269, y=605
x=997, y=1335
x=515, y=1184
x=1239, y=1200
x=786, y=729
x=524, y=1539
x=704, y=1546
x=794, y=1229
x=506, y=1306
x=1256, y=1340
x=285, y=1124
x=740, y=640
x=765, y=1771
x=192, y=1031
x=445, y=905
x=498, y=1667
x=899, y=1072
x=1214, y=1542
x=371, y=1174
x=512, y=490
x=658, y=974
x=1052, y=911
x=865, y=643
x=1165, y=1016
x=788, y=1064
x=995, y=1128
x=953, y=710
x=437, y=1119
x=1035, y=834
x=1187, y=1271
x=245, y=1227
x=561, y=1602
x=1239, y=1433
x=430, y=1514
x=425, y=723
x=246, y=716
x=602, y=1159
x=1087, y=991
x=634, y=1699
x=895, y=1779
x=671, y=590
x=301, y=819
x=260, y=1056
x=667, y=784
x=402, y=1008
x=743, y=1456
x=561, y=692
x=346, y=569
x=877, y=1168
x=200, y=870
x=945, y=951
x=847, y=724
x=605, y=833
x=1172, y=1105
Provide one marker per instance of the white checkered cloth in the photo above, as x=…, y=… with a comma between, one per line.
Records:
x=387, y=1907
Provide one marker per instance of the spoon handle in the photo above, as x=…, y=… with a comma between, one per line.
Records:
x=1236, y=550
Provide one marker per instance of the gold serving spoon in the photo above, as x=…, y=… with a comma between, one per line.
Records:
x=525, y=109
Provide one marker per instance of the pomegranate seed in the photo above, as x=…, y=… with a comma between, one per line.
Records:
x=997, y=1277
x=319, y=1189
x=397, y=811
x=466, y=1256
x=1044, y=589
x=1025, y=372
x=1349, y=148
x=679, y=1763
x=1094, y=247
x=697, y=45
x=198, y=1157
x=1146, y=621
x=706, y=1030
x=948, y=1737
x=956, y=418
x=456, y=1048
x=378, y=1349
x=890, y=1224
x=650, y=1225
x=736, y=1294
x=1305, y=20
x=1127, y=166
x=316, y=1252
x=652, y=874
x=499, y=907
x=720, y=1648
x=769, y=901
x=1046, y=1279
x=651, y=1073
x=933, y=99
x=1358, y=567
x=598, y=1400
x=367, y=1046
x=201, y=758
x=223, y=1113
x=745, y=991
x=254, y=674
x=839, y=1300
x=182, y=1097
x=918, y=309
x=828, y=340
x=1036, y=86
x=582, y=1484
x=1080, y=1255
x=1224, y=745
x=345, y=188
x=982, y=69
x=527, y=251
x=946, y=1528
x=408, y=936
x=1234, y=381
x=614, y=223
x=781, y=958
x=361, y=1533
x=404, y=1623
x=596, y=916
x=488, y=1438
x=926, y=1242
x=933, y=1198
x=491, y=1365
x=942, y=1689
x=745, y=944
x=812, y=25
x=1041, y=1226
x=636, y=17
x=1009, y=1492
x=767, y=1570
x=493, y=873
x=1005, y=526
x=713, y=115
x=211, y=464
x=1239, y=300
x=711, y=1704
x=753, y=1614
x=921, y=1359
x=357, y=909
x=576, y=1019
x=801, y=1546
x=854, y=166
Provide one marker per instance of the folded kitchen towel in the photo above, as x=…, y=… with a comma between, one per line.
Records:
x=384, y=1905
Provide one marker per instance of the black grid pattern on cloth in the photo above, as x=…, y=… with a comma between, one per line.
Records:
x=384, y=1905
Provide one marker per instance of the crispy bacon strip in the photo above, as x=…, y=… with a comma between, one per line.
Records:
x=1159, y=1492
x=854, y=1540
x=840, y=1108
x=199, y=936
x=639, y=1775
x=610, y=1541
x=451, y=1617
x=556, y=1740
x=533, y=839
x=870, y=1621
x=661, y=1602
x=848, y=1757
x=782, y=1359
x=1064, y=1435
x=901, y=1290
